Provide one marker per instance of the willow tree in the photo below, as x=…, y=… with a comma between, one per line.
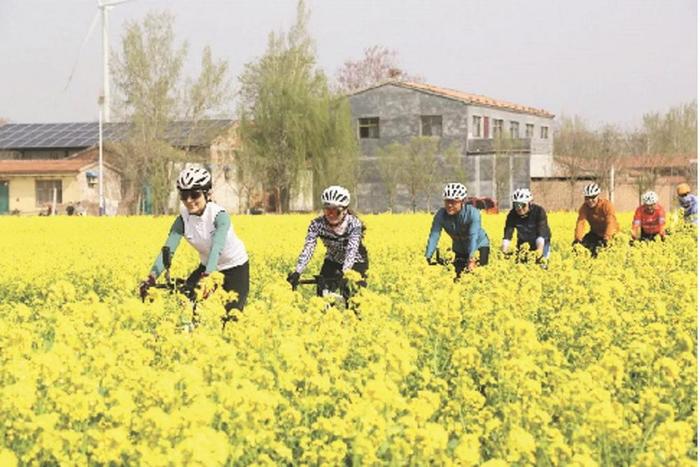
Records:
x=290, y=120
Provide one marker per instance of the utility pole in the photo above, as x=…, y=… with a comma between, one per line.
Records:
x=105, y=6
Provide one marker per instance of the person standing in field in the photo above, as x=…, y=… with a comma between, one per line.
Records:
x=207, y=227
x=649, y=219
x=462, y=222
x=341, y=232
x=599, y=213
x=688, y=202
x=530, y=222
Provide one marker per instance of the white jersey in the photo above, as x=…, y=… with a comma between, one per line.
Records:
x=199, y=232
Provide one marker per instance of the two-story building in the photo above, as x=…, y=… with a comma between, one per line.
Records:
x=396, y=111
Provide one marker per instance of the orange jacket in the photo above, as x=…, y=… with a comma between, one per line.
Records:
x=601, y=219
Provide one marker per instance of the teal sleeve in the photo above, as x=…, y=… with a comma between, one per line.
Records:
x=474, y=228
x=434, y=236
x=222, y=224
x=176, y=232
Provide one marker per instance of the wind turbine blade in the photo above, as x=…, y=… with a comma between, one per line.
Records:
x=106, y=3
x=82, y=46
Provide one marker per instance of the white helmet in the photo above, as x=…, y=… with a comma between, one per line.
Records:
x=194, y=178
x=336, y=196
x=650, y=198
x=591, y=189
x=522, y=195
x=455, y=191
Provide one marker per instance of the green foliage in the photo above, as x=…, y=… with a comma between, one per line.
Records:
x=290, y=121
x=151, y=93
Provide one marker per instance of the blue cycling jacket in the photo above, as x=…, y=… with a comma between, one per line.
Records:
x=464, y=228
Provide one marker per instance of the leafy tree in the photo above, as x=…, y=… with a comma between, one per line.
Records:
x=389, y=160
x=152, y=93
x=289, y=120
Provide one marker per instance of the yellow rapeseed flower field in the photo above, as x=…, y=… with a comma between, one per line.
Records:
x=592, y=361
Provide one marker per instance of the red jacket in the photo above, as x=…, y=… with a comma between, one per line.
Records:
x=651, y=223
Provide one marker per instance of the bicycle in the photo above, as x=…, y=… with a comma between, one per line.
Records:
x=179, y=285
x=460, y=264
x=335, y=290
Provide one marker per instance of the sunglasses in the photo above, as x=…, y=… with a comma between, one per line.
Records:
x=517, y=205
x=190, y=194
x=331, y=210
x=683, y=195
x=591, y=197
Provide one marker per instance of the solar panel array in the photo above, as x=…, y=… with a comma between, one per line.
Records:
x=15, y=136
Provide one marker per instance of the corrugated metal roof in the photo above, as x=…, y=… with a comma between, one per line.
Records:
x=467, y=98
x=15, y=136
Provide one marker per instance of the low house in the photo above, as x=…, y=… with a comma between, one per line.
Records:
x=60, y=159
x=629, y=178
x=30, y=186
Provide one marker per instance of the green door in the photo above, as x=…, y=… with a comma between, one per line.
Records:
x=4, y=196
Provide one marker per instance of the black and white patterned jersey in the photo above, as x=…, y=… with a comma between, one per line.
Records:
x=345, y=248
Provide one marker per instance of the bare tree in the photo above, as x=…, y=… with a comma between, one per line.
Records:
x=572, y=150
x=608, y=148
x=377, y=65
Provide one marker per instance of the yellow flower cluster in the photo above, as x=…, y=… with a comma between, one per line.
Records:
x=592, y=361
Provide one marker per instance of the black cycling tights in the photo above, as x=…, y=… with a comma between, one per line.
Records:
x=236, y=279
x=461, y=262
x=334, y=271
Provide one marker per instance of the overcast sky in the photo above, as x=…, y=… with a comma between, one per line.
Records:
x=606, y=60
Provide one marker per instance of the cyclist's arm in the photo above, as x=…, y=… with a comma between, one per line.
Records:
x=509, y=227
x=580, y=224
x=177, y=230
x=610, y=222
x=637, y=223
x=542, y=230
x=508, y=231
x=222, y=224
x=474, y=229
x=662, y=222
x=434, y=236
x=309, y=246
x=353, y=245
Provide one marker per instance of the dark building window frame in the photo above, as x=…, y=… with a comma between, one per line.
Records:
x=476, y=126
x=43, y=191
x=368, y=127
x=431, y=125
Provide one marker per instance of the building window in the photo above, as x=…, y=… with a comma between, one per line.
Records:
x=45, y=189
x=476, y=124
x=497, y=127
x=431, y=125
x=529, y=130
x=514, y=129
x=369, y=127
x=544, y=132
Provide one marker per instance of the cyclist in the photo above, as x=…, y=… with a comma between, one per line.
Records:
x=688, y=202
x=600, y=215
x=530, y=221
x=341, y=232
x=649, y=219
x=462, y=222
x=207, y=227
